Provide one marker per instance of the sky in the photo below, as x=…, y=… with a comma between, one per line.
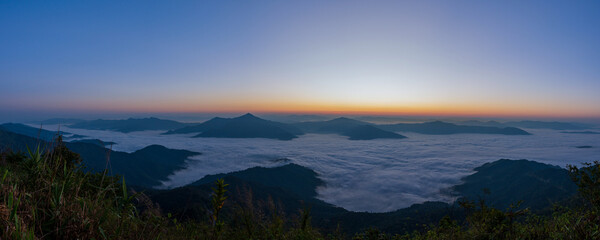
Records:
x=438, y=58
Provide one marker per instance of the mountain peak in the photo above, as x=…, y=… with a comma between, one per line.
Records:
x=248, y=126
x=248, y=116
x=343, y=119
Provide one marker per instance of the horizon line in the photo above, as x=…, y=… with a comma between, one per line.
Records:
x=70, y=113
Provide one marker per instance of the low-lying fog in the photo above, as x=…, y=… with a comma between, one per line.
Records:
x=373, y=175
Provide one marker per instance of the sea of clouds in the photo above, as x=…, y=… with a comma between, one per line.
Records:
x=374, y=175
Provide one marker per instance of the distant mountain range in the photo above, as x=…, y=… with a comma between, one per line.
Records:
x=353, y=129
x=345, y=126
x=129, y=125
x=249, y=126
x=530, y=124
x=146, y=167
x=442, y=128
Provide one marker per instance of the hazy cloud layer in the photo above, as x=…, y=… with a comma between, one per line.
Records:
x=375, y=175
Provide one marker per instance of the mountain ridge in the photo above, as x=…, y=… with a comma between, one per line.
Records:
x=445, y=128
x=146, y=167
x=129, y=125
x=244, y=126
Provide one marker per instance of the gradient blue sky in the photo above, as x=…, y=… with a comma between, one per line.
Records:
x=466, y=58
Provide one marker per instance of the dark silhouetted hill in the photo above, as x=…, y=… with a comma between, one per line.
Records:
x=33, y=132
x=201, y=127
x=405, y=220
x=250, y=126
x=146, y=167
x=548, y=125
x=530, y=124
x=19, y=142
x=289, y=189
x=369, y=132
x=509, y=181
x=129, y=125
x=443, y=128
x=292, y=177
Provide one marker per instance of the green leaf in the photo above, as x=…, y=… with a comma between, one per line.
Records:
x=124, y=189
x=102, y=232
x=4, y=176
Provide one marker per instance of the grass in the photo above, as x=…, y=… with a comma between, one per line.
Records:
x=46, y=194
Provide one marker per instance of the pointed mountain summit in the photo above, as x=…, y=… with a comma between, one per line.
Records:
x=218, y=123
x=247, y=116
x=346, y=121
x=245, y=126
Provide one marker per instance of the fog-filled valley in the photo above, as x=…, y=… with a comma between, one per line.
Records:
x=378, y=175
x=299, y=120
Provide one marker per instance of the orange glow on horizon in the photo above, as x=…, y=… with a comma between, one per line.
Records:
x=264, y=107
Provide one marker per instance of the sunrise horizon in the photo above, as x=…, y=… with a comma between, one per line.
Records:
x=392, y=58
x=305, y=119
x=201, y=115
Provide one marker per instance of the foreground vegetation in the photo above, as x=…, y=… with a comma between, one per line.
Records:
x=46, y=193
